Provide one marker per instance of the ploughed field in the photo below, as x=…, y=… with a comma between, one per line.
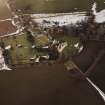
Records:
x=45, y=85
x=6, y=27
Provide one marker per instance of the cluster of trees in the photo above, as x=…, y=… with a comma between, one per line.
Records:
x=7, y=57
x=30, y=38
x=6, y=53
x=2, y=44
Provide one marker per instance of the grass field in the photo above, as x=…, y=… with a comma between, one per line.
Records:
x=54, y=6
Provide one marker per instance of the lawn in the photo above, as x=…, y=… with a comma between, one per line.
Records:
x=19, y=54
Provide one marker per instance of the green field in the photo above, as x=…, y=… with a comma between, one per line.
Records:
x=54, y=6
